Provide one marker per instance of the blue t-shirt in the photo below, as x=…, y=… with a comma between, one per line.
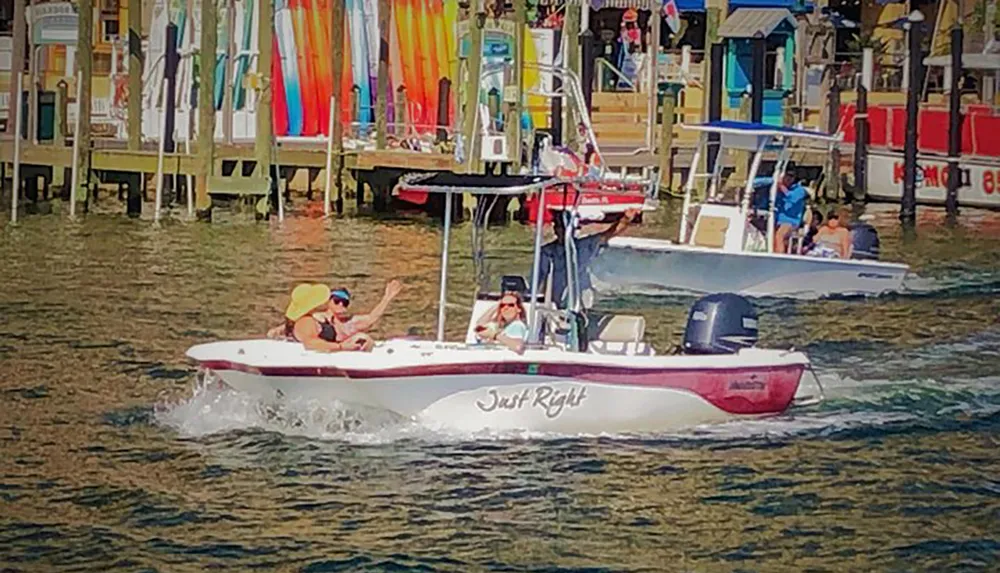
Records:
x=553, y=260
x=790, y=206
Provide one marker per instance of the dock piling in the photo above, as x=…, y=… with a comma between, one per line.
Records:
x=667, y=136
x=84, y=62
x=20, y=41
x=135, y=67
x=471, y=107
x=908, y=204
x=264, y=128
x=861, y=144
x=444, y=99
x=77, y=143
x=206, y=102
x=758, y=49
x=399, y=110
x=832, y=191
x=382, y=79
x=329, y=158
x=15, y=187
x=717, y=56
x=954, y=122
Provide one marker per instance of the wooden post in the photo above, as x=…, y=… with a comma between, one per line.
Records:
x=444, y=98
x=557, y=102
x=667, y=136
x=20, y=39
x=471, y=105
x=520, y=22
x=206, y=102
x=264, y=128
x=571, y=33
x=653, y=79
x=587, y=66
x=832, y=126
x=136, y=64
x=954, y=123
x=382, y=83
x=758, y=48
x=356, y=110
x=861, y=144
x=908, y=204
x=227, y=72
x=171, y=66
x=399, y=108
x=337, y=71
x=62, y=99
x=84, y=63
x=717, y=56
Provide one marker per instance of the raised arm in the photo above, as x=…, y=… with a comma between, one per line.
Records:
x=365, y=322
x=619, y=226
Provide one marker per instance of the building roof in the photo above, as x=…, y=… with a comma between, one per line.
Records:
x=755, y=22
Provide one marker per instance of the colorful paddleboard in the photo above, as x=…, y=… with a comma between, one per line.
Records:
x=359, y=58
x=310, y=101
x=285, y=34
x=316, y=12
x=279, y=105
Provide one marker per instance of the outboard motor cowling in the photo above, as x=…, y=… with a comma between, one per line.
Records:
x=720, y=324
x=866, y=244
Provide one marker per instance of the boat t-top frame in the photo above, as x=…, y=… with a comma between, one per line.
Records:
x=567, y=195
x=757, y=138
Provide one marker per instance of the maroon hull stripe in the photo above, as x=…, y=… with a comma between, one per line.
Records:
x=751, y=390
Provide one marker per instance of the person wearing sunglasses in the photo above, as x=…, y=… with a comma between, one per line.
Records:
x=505, y=324
x=327, y=325
x=309, y=320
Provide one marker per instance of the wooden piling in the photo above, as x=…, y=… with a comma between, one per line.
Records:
x=472, y=83
x=399, y=110
x=667, y=136
x=337, y=71
x=227, y=73
x=954, y=123
x=861, y=144
x=571, y=31
x=717, y=56
x=758, y=50
x=206, y=102
x=444, y=100
x=136, y=66
x=520, y=23
x=20, y=40
x=832, y=126
x=84, y=63
x=264, y=128
x=382, y=82
x=908, y=203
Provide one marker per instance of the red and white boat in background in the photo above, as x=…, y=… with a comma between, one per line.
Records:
x=979, y=162
x=580, y=373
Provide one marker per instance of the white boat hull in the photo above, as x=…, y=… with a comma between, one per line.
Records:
x=475, y=388
x=632, y=262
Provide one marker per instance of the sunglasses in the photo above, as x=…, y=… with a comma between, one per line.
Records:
x=508, y=305
x=340, y=301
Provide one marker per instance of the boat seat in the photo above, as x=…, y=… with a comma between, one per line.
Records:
x=616, y=328
x=620, y=348
x=710, y=232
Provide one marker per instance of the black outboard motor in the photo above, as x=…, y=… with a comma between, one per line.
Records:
x=865, y=241
x=720, y=324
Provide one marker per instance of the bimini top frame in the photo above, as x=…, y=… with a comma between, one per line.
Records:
x=755, y=137
x=506, y=185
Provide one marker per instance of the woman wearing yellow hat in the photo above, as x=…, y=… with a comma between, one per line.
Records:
x=309, y=320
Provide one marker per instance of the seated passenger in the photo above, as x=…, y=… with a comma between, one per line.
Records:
x=505, y=324
x=789, y=209
x=832, y=240
x=347, y=325
x=309, y=320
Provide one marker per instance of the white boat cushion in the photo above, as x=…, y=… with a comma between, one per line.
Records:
x=619, y=328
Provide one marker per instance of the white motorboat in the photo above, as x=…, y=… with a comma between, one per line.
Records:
x=724, y=251
x=579, y=373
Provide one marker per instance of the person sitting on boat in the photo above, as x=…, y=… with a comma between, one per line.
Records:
x=553, y=256
x=789, y=209
x=310, y=320
x=833, y=240
x=505, y=324
x=347, y=325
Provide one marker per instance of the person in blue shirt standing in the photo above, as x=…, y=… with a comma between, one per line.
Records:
x=789, y=209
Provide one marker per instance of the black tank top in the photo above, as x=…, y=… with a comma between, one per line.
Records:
x=326, y=330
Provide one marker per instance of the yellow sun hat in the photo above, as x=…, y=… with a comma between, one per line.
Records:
x=305, y=298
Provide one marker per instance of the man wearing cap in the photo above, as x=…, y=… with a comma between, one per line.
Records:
x=789, y=209
x=347, y=325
